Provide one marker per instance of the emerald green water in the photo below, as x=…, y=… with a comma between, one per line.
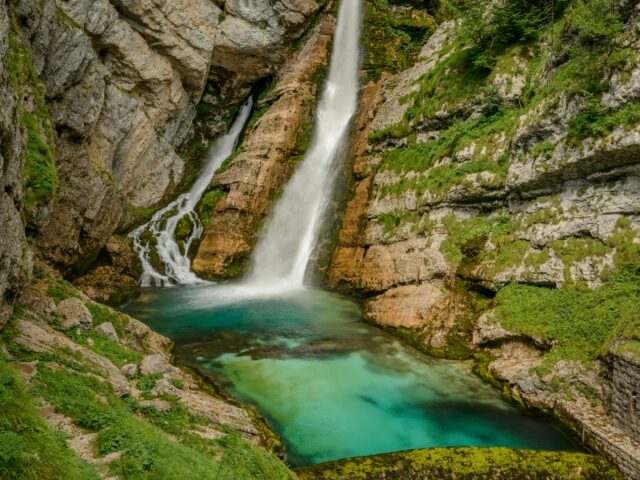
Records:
x=331, y=385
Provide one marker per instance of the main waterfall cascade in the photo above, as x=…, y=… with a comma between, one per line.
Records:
x=286, y=243
x=177, y=264
x=282, y=254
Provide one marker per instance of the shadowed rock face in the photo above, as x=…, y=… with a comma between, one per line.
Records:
x=117, y=82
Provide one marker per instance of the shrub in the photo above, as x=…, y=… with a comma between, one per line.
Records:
x=595, y=21
x=505, y=23
x=580, y=322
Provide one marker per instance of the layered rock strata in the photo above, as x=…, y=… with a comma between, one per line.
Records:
x=467, y=184
x=97, y=100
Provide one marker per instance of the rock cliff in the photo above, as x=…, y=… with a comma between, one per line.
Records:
x=496, y=208
x=98, y=104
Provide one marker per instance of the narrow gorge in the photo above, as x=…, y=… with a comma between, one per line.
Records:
x=320, y=239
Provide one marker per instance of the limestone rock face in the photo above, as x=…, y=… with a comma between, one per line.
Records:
x=15, y=255
x=459, y=194
x=184, y=31
x=555, y=193
x=262, y=166
x=115, y=277
x=116, y=83
x=250, y=38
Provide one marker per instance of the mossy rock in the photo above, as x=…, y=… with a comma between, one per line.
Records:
x=184, y=228
x=466, y=463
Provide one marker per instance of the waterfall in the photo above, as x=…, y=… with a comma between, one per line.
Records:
x=162, y=226
x=282, y=254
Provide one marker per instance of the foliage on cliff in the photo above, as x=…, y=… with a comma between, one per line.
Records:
x=579, y=324
x=39, y=170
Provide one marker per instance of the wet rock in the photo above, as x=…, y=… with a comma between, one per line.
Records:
x=262, y=166
x=115, y=279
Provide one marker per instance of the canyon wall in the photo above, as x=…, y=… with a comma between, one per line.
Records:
x=98, y=103
x=495, y=210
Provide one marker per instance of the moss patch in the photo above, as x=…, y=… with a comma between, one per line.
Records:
x=466, y=463
x=581, y=323
x=393, y=37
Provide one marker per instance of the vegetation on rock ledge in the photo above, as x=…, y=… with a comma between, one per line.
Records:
x=466, y=463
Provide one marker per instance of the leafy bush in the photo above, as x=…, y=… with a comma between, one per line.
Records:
x=597, y=120
x=393, y=37
x=504, y=24
x=595, y=21
x=147, y=382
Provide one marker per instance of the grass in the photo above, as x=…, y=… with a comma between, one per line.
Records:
x=148, y=452
x=580, y=322
x=59, y=289
x=39, y=169
x=106, y=347
x=466, y=463
x=483, y=132
x=102, y=314
x=597, y=120
x=468, y=236
x=29, y=449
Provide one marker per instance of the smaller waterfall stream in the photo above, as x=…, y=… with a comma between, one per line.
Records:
x=285, y=246
x=177, y=265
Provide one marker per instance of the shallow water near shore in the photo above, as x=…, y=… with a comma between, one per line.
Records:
x=329, y=384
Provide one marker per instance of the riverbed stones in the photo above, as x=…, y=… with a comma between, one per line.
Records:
x=75, y=313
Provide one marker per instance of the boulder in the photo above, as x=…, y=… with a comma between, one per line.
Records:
x=129, y=370
x=154, y=364
x=75, y=314
x=35, y=298
x=106, y=330
x=165, y=387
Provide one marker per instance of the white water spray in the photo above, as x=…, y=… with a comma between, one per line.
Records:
x=283, y=251
x=177, y=265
